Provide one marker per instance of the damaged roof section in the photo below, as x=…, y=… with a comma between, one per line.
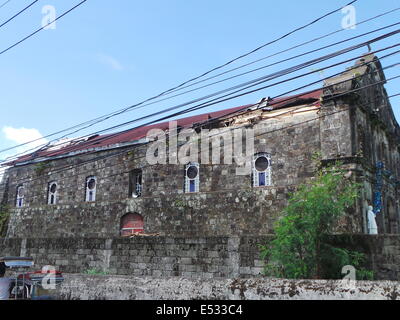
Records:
x=97, y=143
x=348, y=80
x=367, y=73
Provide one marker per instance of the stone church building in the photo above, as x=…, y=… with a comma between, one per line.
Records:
x=103, y=186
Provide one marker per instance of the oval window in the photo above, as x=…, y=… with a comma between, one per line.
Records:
x=21, y=191
x=192, y=172
x=91, y=183
x=53, y=188
x=262, y=163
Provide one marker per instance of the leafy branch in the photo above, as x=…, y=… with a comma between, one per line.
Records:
x=300, y=249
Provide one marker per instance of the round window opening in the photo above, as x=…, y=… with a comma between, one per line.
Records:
x=192, y=172
x=262, y=163
x=53, y=188
x=91, y=184
x=21, y=192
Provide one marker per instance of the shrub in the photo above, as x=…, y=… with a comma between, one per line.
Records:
x=96, y=272
x=300, y=249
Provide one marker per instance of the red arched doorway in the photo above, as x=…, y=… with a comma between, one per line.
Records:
x=131, y=223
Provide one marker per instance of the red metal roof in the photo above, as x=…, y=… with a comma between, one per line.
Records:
x=101, y=141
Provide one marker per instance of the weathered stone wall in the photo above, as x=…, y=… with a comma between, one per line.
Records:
x=377, y=144
x=358, y=127
x=83, y=287
x=12, y=247
x=205, y=257
x=208, y=213
x=3, y=190
x=227, y=204
x=382, y=252
x=373, y=137
x=213, y=257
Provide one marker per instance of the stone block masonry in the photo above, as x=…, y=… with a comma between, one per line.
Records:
x=190, y=258
x=184, y=215
x=225, y=204
x=357, y=128
x=210, y=257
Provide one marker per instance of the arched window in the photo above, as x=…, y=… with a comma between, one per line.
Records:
x=135, y=183
x=192, y=177
x=91, y=189
x=52, y=193
x=20, y=196
x=131, y=223
x=261, y=170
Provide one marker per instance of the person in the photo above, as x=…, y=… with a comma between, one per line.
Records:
x=372, y=226
x=4, y=283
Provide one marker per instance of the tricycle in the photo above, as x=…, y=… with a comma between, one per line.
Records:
x=33, y=285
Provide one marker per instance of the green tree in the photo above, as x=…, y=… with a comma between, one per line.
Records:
x=300, y=249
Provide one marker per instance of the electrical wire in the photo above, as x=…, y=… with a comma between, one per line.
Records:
x=271, y=76
x=288, y=99
x=213, y=101
x=42, y=28
x=289, y=49
x=264, y=45
x=173, y=89
x=231, y=129
x=285, y=60
x=4, y=3
x=17, y=14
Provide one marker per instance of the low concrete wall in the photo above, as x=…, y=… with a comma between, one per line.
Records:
x=83, y=287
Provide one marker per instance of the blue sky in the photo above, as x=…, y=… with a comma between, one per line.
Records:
x=108, y=55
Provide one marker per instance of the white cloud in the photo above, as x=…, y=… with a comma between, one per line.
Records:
x=24, y=135
x=110, y=62
x=20, y=136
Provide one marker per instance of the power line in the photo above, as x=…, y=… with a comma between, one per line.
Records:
x=42, y=28
x=281, y=61
x=70, y=167
x=263, y=79
x=17, y=14
x=291, y=91
x=287, y=50
x=285, y=60
x=231, y=129
x=175, y=88
x=4, y=3
x=264, y=45
x=270, y=77
x=214, y=119
x=282, y=101
x=105, y=117
x=213, y=101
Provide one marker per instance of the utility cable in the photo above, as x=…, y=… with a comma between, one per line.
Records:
x=271, y=76
x=17, y=14
x=173, y=89
x=325, y=87
x=42, y=28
